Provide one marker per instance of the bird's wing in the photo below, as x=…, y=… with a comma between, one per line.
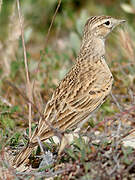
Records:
x=77, y=96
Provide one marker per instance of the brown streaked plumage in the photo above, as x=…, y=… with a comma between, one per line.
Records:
x=84, y=88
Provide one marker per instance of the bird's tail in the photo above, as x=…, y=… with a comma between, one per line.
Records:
x=23, y=156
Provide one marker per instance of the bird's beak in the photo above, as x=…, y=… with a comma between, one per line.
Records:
x=121, y=21
x=116, y=22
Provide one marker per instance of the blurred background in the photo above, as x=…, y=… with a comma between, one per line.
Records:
x=58, y=54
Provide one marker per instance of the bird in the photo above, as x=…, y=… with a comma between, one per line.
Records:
x=84, y=88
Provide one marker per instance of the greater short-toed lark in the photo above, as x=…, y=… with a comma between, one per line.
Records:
x=84, y=88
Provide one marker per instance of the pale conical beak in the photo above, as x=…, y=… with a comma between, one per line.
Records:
x=116, y=22
x=121, y=21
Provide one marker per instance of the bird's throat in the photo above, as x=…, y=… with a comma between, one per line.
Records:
x=94, y=48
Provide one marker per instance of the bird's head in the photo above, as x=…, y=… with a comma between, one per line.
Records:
x=100, y=26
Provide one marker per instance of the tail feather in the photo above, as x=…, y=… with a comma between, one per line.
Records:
x=22, y=157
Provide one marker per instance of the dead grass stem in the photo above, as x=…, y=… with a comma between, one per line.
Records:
x=28, y=83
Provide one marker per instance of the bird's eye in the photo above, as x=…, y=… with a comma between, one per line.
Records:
x=107, y=23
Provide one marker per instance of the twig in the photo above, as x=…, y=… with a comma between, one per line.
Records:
x=44, y=174
x=40, y=144
x=42, y=150
x=53, y=18
x=131, y=94
x=28, y=85
x=117, y=115
x=116, y=102
x=119, y=127
x=0, y=4
x=47, y=36
x=124, y=112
